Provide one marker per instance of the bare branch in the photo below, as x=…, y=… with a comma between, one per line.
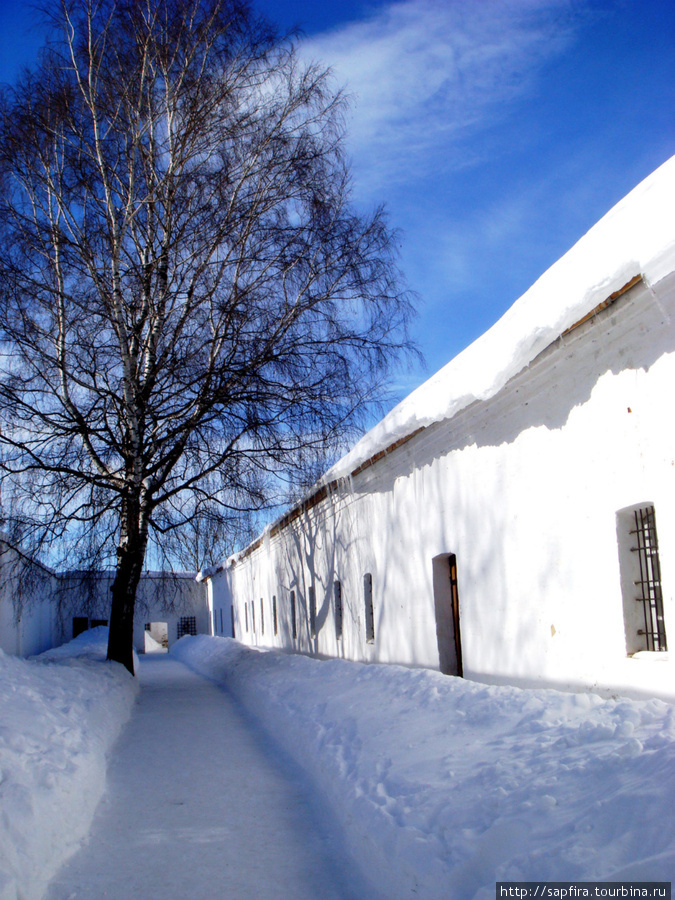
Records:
x=190, y=307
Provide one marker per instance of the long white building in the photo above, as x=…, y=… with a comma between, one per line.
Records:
x=513, y=520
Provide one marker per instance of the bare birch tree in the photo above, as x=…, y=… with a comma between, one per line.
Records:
x=188, y=299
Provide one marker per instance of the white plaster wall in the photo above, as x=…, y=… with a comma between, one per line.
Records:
x=50, y=601
x=219, y=601
x=166, y=598
x=31, y=626
x=160, y=598
x=524, y=489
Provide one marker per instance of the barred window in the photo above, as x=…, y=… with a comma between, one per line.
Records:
x=186, y=625
x=649, y=594
x=641, y=579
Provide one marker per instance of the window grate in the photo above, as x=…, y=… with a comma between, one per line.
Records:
x=186, y=625
x=649, y=582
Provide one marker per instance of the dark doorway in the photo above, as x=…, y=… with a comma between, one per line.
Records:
x=446, y=604
x=80, y=624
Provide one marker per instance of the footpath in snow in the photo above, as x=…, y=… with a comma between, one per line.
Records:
x=289, y=777
x=197, y=806
x=444, y=786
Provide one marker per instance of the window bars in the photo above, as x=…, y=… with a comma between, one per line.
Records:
x=186, y=625
x=649, y=583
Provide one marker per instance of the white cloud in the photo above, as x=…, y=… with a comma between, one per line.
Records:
x=428, y=73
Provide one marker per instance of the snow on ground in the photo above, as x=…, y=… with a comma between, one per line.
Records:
x=153, y=646
x=59, y=716
x=199, y=806
x=444, y=786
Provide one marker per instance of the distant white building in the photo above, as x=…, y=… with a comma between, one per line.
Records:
x=41, y=608
x=29, y=620
x=168, y=606
x=513, y=520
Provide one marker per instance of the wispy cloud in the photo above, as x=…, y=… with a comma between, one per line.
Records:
x=427, y=74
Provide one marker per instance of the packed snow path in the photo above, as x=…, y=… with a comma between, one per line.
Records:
x=198, y=806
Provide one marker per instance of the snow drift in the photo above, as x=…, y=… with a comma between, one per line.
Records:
x=444, y=786
x=60, y=713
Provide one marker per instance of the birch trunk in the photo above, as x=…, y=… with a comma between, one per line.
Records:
x=130, y=559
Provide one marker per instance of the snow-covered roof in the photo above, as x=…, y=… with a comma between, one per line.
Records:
x=636, y=237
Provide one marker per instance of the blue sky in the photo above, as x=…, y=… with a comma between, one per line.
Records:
x=496, y=132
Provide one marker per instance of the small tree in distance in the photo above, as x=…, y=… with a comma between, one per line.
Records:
x=188, y=301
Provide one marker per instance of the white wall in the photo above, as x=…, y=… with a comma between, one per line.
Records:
x=31, y=626
x=524, y=489
x=161, y=597
x=44, y=619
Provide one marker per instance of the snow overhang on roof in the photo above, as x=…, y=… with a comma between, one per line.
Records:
x=634, y=240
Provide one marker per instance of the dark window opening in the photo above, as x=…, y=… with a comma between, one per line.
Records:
x=80, y=624
x=84, y=623
x=252, y=616
x=312, y=612
x=294, y=617
x=337, y=596
x=368, y=604
x=274, y=614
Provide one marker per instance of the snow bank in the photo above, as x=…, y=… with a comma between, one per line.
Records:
x=637, y=237
x=59, y=716
x=444, y=786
